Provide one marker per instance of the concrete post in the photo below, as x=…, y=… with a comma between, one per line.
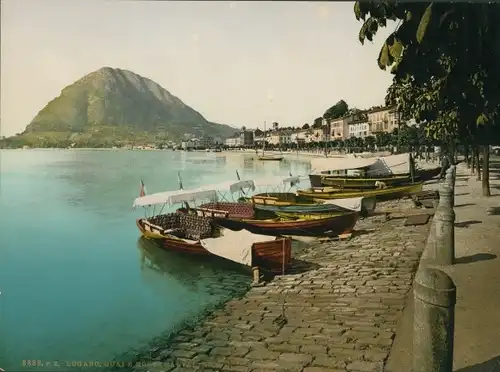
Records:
x=256, y=277
x=444, y=219
x=434, y=321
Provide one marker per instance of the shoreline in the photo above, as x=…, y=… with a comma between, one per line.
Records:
x=338, y=308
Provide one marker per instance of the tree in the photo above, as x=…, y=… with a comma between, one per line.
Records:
x=370, y=142
x=318, y=122
x=444, y=58
x=337, y=110
x=382, y=139
x=305, y=126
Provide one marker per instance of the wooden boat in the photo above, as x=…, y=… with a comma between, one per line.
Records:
x=237, y=216
x=199, y=235
x=265, y=157
x=307, y=216
x=427, y=174
x=363, y=183
x=270, y=158
x=372, y=169
x=293, y=203
x=381, y=194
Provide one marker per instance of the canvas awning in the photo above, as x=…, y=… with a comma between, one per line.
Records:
x=277, y=181
x=233, y=186
x=176, y=197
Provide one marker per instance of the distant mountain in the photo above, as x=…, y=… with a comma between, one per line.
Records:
x=119, y=106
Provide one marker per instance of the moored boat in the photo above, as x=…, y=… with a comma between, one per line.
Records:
x=380, y=194
x=394, y=170
x=237, y=216
x=293, y=203
x=307, y=216
x=200, y=235
x=363, y=183
x=270, y=158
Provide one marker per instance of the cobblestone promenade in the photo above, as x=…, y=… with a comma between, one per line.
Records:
x=340, y=315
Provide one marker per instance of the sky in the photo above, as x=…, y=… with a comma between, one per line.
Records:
x=237, y=63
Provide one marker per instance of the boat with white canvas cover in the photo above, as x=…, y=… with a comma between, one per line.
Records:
x=200, y=235
x=359, y=173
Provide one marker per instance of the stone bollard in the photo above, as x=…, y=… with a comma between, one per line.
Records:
x=450, y=181
x=444, y=220
x=256, y=277
x=434, y=321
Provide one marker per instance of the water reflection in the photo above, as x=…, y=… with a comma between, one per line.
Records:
x=212, y=275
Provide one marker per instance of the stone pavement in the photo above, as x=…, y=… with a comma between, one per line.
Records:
x=339, y=316
x=477, y=277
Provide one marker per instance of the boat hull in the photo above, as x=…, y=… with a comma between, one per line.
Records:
x=307, y=216
x=363, y=183
x=270, y=158
x=367, y=205
x=274, y=255
x=300, y=208
x=380, y=194
x=329, y=226
x=423, y=175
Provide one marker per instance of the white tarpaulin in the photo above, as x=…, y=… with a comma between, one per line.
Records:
x=358, y=204
x=337, y=164
x=392, y=164
x=234, y=245
x=386, y=165
x=353, y=204
x=176, y=197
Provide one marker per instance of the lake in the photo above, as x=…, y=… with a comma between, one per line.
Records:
x=76, y=282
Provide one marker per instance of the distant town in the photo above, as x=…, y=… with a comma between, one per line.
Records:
x=352, y=128
x=354, y=124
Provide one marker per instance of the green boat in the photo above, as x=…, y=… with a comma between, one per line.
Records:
x=363, y=183
x=291, y=203
x=381, y=194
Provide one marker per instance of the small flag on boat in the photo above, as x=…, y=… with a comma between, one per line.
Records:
x=143, y=189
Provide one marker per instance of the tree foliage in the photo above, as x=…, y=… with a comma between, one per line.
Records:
x=318, y=122
x=337, y=110
x=445, y=58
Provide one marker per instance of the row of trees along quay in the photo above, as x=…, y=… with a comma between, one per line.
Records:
x=445, y=58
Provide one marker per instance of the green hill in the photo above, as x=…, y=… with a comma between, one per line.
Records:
x=112, y=107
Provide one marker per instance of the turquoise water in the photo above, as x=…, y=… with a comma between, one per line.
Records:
x=75, y=283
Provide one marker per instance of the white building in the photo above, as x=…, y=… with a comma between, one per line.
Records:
x=359, y=128
x=234, y=142
x=189, y=144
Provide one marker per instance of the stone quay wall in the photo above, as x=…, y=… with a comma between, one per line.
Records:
x=340, y=314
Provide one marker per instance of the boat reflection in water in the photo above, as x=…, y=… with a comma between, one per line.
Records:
x=210, y=275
